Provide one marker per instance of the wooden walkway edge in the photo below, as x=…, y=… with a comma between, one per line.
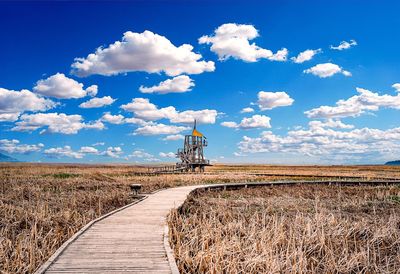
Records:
x=134, y=238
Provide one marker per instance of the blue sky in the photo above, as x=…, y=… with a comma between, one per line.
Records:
x=336, y=103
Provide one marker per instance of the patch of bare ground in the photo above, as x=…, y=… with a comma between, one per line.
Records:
x=289, y=229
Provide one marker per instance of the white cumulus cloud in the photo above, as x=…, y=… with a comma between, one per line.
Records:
x=247, y=110
x=270, y=100
x=94, y=125
x=345, y=45
x=113, y=152
x=233, y=41
x=89, y=150
x=120, y=119
x=54, y=123
x=396, y=87
x=174, y=137
x=61, y=87
x=113, y=119
x=141, y=154
x=66, y=151
x=256, y=121
x=98, y=144
x=205, y=116
x=331, y=142
x=98, y=102
x=145, y=51
x=158, y=129
x=13, y=103
x=330, y=123
x=356, y=105
x=229, y=124
x=143, y=109
x=167, y=155
x=326, y=70
x=306, y=55
x=178, y=84
x=14, y=146
x=280, y=55
x=9, y=117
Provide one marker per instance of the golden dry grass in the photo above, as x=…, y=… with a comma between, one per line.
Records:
x=42, y=205
x=289, y=229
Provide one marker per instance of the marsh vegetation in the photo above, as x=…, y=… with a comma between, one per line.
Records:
x=289, y=229
x=42, y=205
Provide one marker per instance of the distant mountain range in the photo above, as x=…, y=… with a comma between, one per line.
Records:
x=393, y=163
x=5, y=158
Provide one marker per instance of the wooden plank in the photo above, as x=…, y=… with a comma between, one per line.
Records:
x=129, y=241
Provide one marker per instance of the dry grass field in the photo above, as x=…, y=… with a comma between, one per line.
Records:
x=289, y=229
x=42, y=205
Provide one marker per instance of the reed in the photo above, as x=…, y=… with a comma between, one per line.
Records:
x=289, y=229
x=42, y=205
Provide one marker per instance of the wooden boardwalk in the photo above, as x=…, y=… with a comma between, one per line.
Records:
x=132, y=239
x=129, y=241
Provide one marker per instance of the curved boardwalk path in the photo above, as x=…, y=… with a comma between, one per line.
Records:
x=129, y=241
x=132, y=240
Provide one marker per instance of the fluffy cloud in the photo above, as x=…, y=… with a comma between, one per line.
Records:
x=167, y=155
x=396, y=86
x=54, y=123
x=270, y=100
x=113, y=119
x=94, y=125
x=247, y=110
x=89, y=150
x=98, y=102
x=174, y=137
x=13, y=103
x=137, y=121
x=256, y=121
x=14, y=146
x=233, y=40
x=345, y=45
x=113, y=152
x=330, y=123
x=143, y=109
x=326, y=70
x=157, y=129
x=280, y=55
x=120, y=119
x=178, y=84
x=62, y=87
x=9, y=117
x=356, y=105
x=305, y=55
x=98, y=144
x=229, y=124
x=143, y=155
x=145, y=51
x=325, y=142
x=66, y=151
x=205, y=116
x=140, y=154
